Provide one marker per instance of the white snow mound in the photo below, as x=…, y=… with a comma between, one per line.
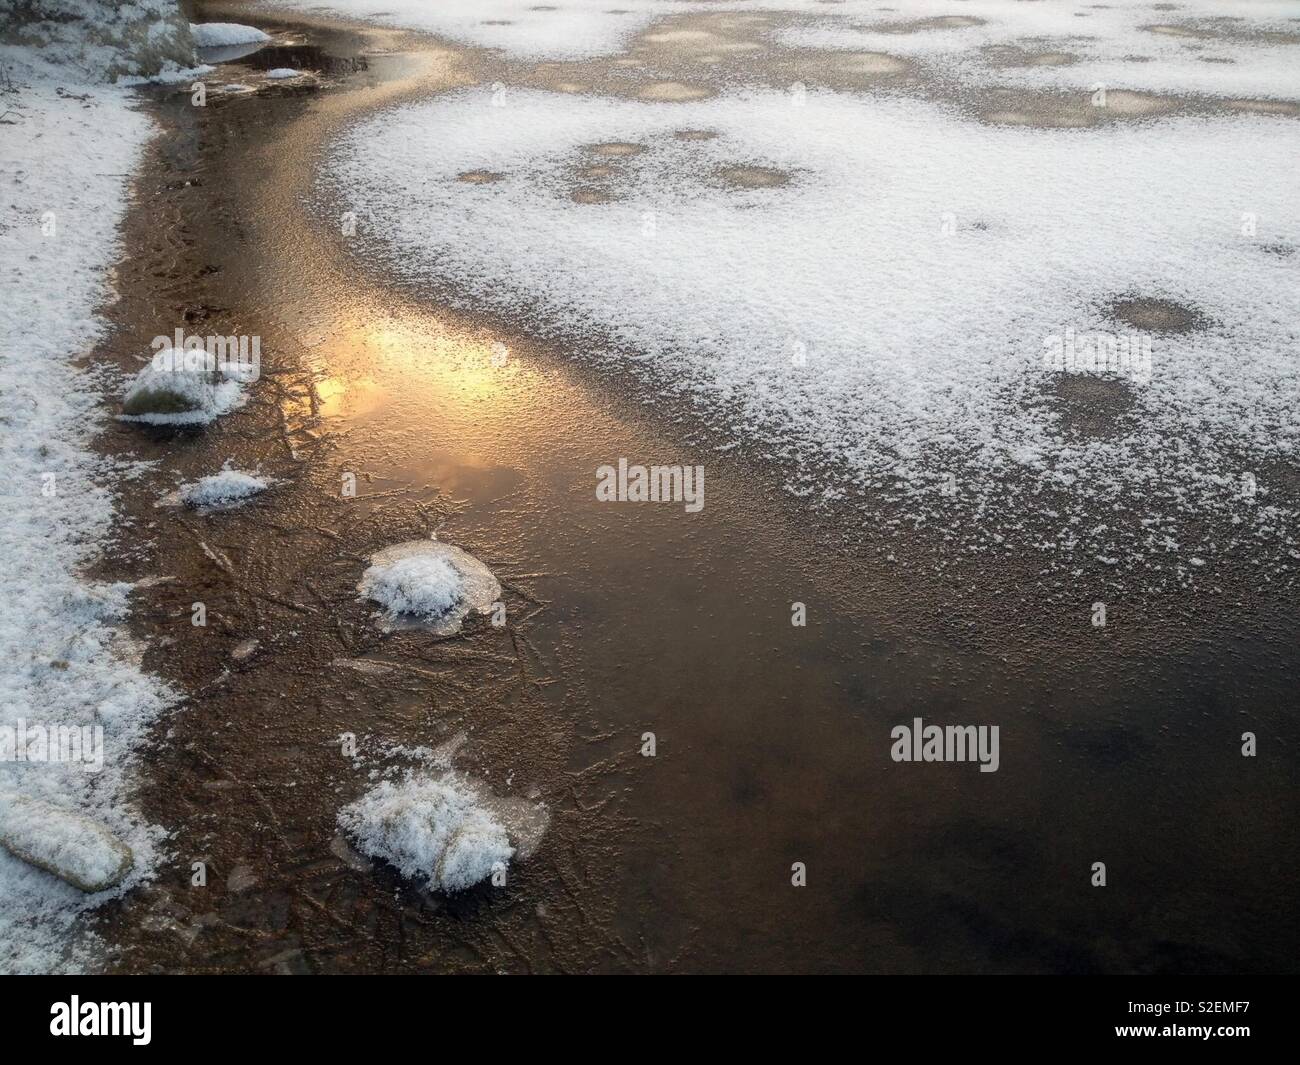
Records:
x=431, y=830
x=225, y=34
x=227, y=488
x=426, y=582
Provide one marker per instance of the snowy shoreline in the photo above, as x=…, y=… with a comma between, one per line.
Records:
x=67, y=152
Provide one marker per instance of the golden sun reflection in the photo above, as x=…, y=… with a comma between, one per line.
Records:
x=381, y=362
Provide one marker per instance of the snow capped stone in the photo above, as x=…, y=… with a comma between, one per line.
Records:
x=428, y=583
x=432, y=830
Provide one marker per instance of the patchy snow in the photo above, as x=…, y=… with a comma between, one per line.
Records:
x=881, y=318
x=281, y=73
x=225, y=34
x=571, y=29
x=1124, y=44
x=434, y=830
x=1050, y=45
x=429, y=583
x=67, y=146
x=227, y=488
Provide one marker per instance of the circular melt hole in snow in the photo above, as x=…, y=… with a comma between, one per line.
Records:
x=1052, y=59
x=479, y=177
x=429, y=585
x=590, y=195
x=752, y=177
x=615, y=149
x=1041, y=112
x=1123, y=102
x=673, y=92
x=1156, y=315
x=870, y=63
x=696, y=134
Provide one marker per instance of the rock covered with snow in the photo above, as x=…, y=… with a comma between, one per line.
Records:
x=429, y=583
x=227, y=488
x=63, y=842
x=95, y=40
x=282, y=73
x=169, y=392
x=435, y=831
x=225, y=34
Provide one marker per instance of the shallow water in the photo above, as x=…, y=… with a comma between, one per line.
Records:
x=772, y=741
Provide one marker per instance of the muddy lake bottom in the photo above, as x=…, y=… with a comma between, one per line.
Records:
x=772, y=742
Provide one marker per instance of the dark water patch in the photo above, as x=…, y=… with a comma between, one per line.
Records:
x=1153, y=315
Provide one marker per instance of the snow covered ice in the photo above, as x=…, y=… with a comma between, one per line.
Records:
x=879, y=319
